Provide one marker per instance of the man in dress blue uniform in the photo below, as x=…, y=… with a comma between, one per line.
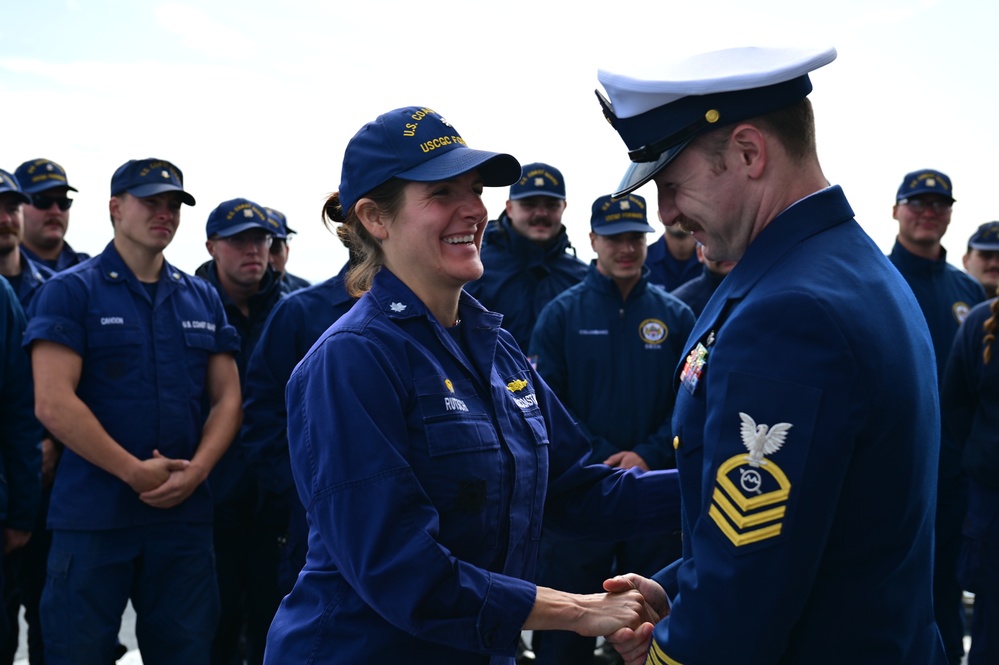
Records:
x=280, y=250
x=923, y=206
x=294, y=325
x=806, y=421
x=133, y=365
x=46, y=216
x=981, y=260
x=247, y=523
x=24, y=275
x=526, y=253
x=604, y=346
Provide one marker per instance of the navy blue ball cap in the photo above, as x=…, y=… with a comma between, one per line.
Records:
x=148, y=177
x=610, y=216
x=658, y=114
x=926, y=181
x=238, y=215
x=986, y=238
x=415, y=143
x=9, y=183
x=37, y=175
x=538, y=179
x=283, y=231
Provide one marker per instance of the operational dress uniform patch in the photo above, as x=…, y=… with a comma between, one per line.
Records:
x=653, y=332
x=749, y=500
x=960, y=310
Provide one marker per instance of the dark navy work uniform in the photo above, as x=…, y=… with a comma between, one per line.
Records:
x=67, y=258
x=970, y=411
x=426, y=458
x=521, y=277
x=697, y=292
x=609, y=360
x=143, y=376
x=807, y=427
x=667, y=272
x=294, y=325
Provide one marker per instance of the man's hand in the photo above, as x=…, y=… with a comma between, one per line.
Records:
x=633, y=644
x=51, y=452
x=626, y=459
x=14, y=539
x=150, y=473
x=179, y=485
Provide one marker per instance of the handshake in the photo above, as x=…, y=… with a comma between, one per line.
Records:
x=625, y=615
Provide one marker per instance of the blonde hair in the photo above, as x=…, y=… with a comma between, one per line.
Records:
x=366, y=256
x=990, y=331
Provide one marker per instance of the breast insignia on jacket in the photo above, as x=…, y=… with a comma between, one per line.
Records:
x=449, y=385
x=749, y=500
x=653, y=332
x=960, y=310
x=516, y=386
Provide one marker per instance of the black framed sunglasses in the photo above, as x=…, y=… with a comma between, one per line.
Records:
x=43, y=202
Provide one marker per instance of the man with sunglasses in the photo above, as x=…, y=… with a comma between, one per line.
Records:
x=46, y=215
x=945, y=294
x=247, y=524
x=23, y=274
x=280, y=251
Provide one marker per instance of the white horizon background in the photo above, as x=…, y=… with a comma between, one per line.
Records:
x=258, y=100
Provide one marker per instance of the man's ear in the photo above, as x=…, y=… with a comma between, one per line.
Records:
x=371, y=217
x=751, y=149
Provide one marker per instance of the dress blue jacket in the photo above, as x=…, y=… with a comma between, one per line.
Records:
x=817, y=550
x=427, y=458
x=610, y=360
x=143, y=377
x=294, y=325
x=20, y=432
x=521, y=277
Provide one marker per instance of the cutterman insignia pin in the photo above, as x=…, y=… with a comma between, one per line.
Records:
x=450, y=386
x=516, y=386
x=750, y=495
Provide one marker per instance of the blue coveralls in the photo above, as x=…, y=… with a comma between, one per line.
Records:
x=20, y=432
x=945, y=295
x=294, y=325
x=520, y=277
x=667, y=272
x=143, y=377
x=970, y=413
x=821, y=552
x=248, y=523
x=609, y=360
x=67, y=258
x=426, y=458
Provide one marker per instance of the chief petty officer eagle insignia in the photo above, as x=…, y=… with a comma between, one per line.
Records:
x=749, y=500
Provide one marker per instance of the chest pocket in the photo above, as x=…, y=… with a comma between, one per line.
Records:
x=115, y=353
x=455, y=419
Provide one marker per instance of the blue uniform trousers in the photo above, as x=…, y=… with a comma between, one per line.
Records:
x=165, y=569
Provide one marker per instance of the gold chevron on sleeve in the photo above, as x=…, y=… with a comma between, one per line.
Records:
x=749, y=502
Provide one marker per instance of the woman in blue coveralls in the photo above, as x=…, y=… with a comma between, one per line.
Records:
x=970, y=415
x=424, y=446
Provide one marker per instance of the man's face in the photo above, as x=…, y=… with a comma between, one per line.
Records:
x=45, y=227
x=241, y=259
x=537, y=218
x=11, y=223
x=279, y=255
x=923, y=220
x=620, y=256
x=983, y=265
x=709, y=203
x=148, y=223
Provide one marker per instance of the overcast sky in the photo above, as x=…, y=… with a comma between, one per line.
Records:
x=258, y=100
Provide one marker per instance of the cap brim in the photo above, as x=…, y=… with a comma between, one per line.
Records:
x=496, y=169
x=640, y=173
x=622, y=227
x=246, y=226
x=143, y=191
x=50, y=185
x=20, y=196
x=527, y=195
